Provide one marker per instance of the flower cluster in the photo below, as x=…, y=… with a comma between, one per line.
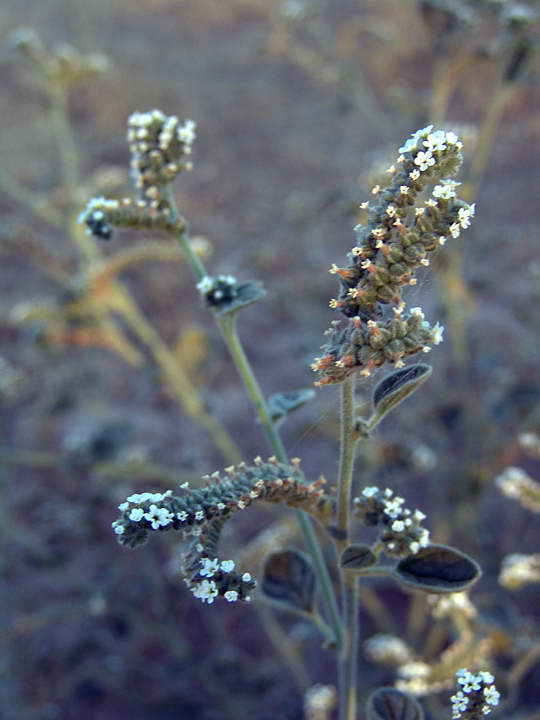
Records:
x=399, y=528
x=393, y=244
x=159, y=147
x=102, y=217
x=476, y=696
x=515, y=483
x=364, y=346
x=201, y=514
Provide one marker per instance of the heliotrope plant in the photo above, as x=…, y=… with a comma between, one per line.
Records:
x=414, y=216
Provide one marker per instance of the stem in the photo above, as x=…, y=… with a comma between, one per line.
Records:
x=348, y=660
x=228, y=329
x=349, y=438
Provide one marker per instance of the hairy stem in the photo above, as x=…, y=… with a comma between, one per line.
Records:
x=349, y=581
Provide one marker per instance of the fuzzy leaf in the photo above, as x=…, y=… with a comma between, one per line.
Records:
x=387, y=703
x=356, y=557
x=396, y=387
x=284, y=403
x=438, y=569
x=243, y=295
x=289, y=580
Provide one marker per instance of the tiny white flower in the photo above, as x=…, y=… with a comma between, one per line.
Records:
x=454, y=230
x=227, y=566
x=231, y=596
x=424, y=160
x=414, y=175
x=370, y=491
x=182, y=516
x=487, y=677
x=158, y=517
x=246, y=577
x=437, y=333
x=199, y=515
x=136, y=514
x=135, y=499
x=123, y=506
x=118, y=529
x=209, y=567
x=186, y=133
x=398, y=526
x=491, y=695
x=206, y=591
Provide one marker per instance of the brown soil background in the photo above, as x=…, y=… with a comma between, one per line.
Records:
x=91, y=630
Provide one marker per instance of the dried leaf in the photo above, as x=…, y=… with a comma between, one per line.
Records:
x=438, y=569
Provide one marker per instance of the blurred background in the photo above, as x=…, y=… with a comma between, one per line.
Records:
x=300, y=108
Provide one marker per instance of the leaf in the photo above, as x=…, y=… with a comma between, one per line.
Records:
x=438, y=569
x=283, y=404
x=243, y=295
x=387, y=703
x=356, y=557
x=396, y=387
x=289, y=580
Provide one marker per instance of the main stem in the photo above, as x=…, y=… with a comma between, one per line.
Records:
x=349, y=581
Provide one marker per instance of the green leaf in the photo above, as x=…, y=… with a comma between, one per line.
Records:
x=357, y=557
x=438, y=569
x=387, y=703
x=289, y=580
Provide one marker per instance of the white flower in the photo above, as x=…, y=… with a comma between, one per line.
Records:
x=487, y=677
x=454, y=230
x=209, y=567
x=459, y=704
x=424, y=160
x=123, y=506
x=158, y=516
x=246, y=577
x=436, y=141
x=370, y=491
x=136, y=514
x=398, y=526
x=227, y=566
x=465, y=215
x=186, y=133
x=412, y=142
x=437, y=333
x=414, y=175
x=134, y=499
x=199, y=515
x=206, y=284
x=447, y=189
x=469, y=682
x=416, y=311
x=182, y=516
x=231, y=596
x=491, y=695
x=206, y=591
x=118, y=529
